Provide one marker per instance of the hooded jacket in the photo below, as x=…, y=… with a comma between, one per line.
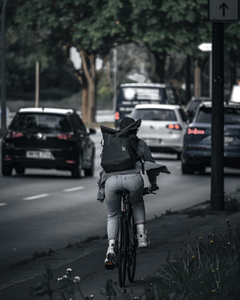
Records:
x=149, y=165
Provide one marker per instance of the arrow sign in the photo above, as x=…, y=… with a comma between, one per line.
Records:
x=223, y=10
x=223, y=6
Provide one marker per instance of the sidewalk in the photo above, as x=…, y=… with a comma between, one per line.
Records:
x=167, y=235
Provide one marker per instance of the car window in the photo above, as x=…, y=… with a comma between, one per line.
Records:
x=33, y=122
x=155, y=114
x=78, y=123
x=231, y=115
x=183, y=115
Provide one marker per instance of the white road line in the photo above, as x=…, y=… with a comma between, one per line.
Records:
x=74, y=189
x=2, y=204
x=36, y=197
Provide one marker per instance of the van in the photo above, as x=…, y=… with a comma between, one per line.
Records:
x=131, y=94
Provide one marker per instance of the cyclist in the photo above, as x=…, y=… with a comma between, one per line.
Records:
x=110, y=183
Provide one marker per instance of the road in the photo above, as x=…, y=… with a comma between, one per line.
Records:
x=47, y=209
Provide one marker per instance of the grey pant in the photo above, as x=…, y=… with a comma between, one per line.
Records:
x=135, y=184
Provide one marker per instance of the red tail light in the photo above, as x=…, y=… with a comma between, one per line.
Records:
x=117, y=117
x=195, y=131
x=174, y=126
x=14, y=134
x=66, y=136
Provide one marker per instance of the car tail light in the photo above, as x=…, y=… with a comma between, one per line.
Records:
x=66, y=136
x=117, y=117
x=70, y=161
x=174, y=126
x=14, y=134
x=195, y=131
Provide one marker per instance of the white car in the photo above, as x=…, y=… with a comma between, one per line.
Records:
x=163, y=127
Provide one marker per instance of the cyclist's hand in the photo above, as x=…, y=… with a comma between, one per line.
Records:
x=153, y=187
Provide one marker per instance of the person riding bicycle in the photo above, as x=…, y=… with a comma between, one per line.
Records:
x=132, y=180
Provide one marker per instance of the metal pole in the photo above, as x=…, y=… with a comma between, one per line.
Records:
x=114, y=78
x=210, y=74
x=3, y=69
x=37, y=85
x=217, y=166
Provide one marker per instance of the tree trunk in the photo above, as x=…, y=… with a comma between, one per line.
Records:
x=160, y=68
x=88, y=94
x=197, y=79
x=188, y=79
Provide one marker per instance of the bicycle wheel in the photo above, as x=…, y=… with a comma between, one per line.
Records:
x=122, y=251
x=132, y=252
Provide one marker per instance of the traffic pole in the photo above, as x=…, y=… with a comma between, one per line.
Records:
x=217, y=163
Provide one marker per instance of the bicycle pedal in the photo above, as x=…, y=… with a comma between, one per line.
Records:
x=109, y=265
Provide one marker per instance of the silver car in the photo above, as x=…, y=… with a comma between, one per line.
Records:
x=163, y=127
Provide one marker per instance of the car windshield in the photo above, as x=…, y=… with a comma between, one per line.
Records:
x=231, y=115
x=152, y=114
x=48, y=123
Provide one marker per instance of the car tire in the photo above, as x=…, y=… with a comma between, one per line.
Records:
x=90, y=172
x=77, y=171
x=20, y=170
x=187, y=169
x=6, y=170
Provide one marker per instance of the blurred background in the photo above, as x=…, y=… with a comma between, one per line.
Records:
x=85, y=49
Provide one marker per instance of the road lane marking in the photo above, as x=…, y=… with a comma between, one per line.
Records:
x=2, y=204
x=74, y=189
x=36, y=197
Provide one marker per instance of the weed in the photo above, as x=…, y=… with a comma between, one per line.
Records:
x=91, y=238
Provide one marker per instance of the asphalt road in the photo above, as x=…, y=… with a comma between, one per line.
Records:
x=45, y=210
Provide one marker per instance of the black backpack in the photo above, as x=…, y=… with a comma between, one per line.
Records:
x=119, y=148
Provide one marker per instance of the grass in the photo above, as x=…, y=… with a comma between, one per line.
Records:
x=35, y=256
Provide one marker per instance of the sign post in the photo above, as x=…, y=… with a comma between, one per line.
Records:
x=220, y=11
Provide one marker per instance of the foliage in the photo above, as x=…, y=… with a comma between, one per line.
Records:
x=209, y=270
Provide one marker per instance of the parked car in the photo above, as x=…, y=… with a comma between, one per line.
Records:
x=48, y=138
x=162, y=126
x=196, y=154
x=192, y=106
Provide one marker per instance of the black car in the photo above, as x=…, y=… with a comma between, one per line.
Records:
x=48, y=138
x=196, y=153
x=192, y=106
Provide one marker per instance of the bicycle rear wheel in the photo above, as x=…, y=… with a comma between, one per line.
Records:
x=132, y=252
x=122, y=251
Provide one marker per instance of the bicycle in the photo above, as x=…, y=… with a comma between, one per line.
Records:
x=125, y=247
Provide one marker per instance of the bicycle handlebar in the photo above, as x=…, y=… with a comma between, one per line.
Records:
x=147, y=191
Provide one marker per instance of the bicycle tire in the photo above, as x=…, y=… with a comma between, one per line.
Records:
x=132, y=248
x=122, y=251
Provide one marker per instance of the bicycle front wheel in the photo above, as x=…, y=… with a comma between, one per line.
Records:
x=132, y=252
x=122, y=251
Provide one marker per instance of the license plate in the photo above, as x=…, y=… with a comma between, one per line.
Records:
x=39, y=154
x=153, y=141
x=228, y=139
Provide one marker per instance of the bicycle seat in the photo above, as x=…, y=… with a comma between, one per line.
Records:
x=123, y=191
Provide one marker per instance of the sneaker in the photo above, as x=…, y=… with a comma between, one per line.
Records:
x=109, y=255
x=142, y=240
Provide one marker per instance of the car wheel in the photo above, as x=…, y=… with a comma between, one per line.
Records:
x=187, y=169
x=90, y=171
x=77, y=171
x=20, y=170
x=6, y=170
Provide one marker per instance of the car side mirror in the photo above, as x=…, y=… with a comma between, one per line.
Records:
x=92, y=131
